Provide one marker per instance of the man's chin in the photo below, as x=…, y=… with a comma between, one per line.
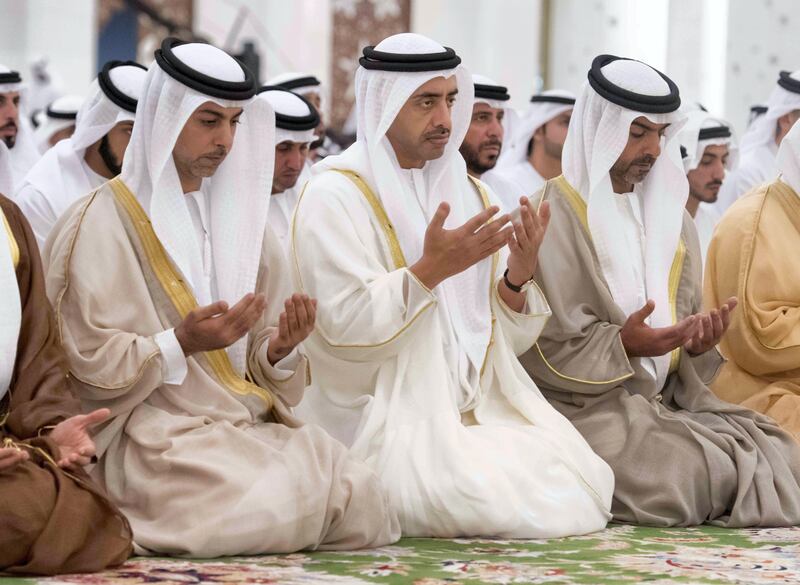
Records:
x=286, y=185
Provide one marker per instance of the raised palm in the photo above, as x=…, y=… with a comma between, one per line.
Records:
x=75, y=445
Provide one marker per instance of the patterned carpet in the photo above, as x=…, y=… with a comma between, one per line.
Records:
x=620, y=554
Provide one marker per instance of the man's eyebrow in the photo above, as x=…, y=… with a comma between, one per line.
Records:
x=650, y=128
x=433, y=94
x=428, y=94
x=211, y=113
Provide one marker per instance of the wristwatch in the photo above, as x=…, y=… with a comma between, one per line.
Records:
x=517, y=288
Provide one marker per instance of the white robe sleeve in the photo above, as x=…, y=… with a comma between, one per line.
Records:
x=173, y=365
x=367, y=309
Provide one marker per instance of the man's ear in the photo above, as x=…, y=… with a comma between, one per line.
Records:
x=786, y=121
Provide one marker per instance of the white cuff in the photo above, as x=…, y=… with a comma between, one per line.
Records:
x=283, y=368
x=649, y=365
x=173, y=363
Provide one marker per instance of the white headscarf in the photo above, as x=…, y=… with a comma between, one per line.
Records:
x=510, y=117
x=689, y=139
x=463, y=299
x=304, y=90
x=24, y=154
x=288, y=104
x=789, y=158
x=10, y=308
x=598, y=133
x=67, y=104
x=762, y=130
x=515, y=149
x=238, y=193
x=60, y=174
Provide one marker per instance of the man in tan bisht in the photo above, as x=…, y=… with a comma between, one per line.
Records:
x=169, y=290
x=752, y=256
x=626, y=356
x=53, y=519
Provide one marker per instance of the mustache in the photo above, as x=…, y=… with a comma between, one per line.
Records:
x=493, y=142
x=714, y=184
x=9, y=124
x=645, y=160
x=438, y=133
x=217, y=153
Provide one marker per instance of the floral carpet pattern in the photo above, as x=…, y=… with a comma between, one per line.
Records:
x=620, y=554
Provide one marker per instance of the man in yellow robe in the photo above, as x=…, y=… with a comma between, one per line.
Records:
x=751, y=256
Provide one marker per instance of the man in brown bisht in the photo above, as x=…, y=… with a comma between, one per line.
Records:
x=627, y=355
x=53, y=519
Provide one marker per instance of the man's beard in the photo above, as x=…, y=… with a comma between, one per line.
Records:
x=10, y=140
x=473, y=158
x=552, y=148
x=108, y=157
x=711, y=197
x=634, y=172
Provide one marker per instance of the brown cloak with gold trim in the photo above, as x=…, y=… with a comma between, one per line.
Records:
x=51, y=521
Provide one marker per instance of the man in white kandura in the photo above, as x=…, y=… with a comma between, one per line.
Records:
x=532, y=154
x=295, y=121
x=424, y=303
x=759, y=147
x=91, y=156
x=57, y=121
x=15, y=128
x=709, y=153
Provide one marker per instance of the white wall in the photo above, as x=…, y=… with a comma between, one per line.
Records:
x=762, y=40
x=64, y=32
x=496, y=39
x=580, y=30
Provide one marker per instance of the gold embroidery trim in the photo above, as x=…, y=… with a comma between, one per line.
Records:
x=578, y=205
x=179, y=293
x=579, y=380
x=398, y=258
x=492, y=286
x=389, y=237
x=59, y=299
x=574, y=199
x=675, y=272
x=12, y=241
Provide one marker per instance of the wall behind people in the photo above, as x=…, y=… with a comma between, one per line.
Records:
x=762, y=40
x=63, y=32
x=290, y=36
x=498, y=39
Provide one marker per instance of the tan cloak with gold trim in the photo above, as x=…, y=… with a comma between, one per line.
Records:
x=680, y=455
x=216, y=465
x=458, y=458
x=51, y=520
x=754, y=256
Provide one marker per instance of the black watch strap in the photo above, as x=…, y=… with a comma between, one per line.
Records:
x=514, y=287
